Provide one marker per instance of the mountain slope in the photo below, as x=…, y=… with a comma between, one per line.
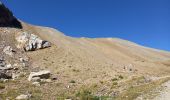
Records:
x=98, y=66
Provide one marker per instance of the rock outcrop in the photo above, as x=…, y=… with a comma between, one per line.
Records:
x=31, y=42
x=7, y=19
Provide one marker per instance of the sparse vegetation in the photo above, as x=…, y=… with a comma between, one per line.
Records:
x=114, y=79
x=134, y=91
x=72, y=81
x=86, y=95
x=2, y=86
x=75, y=70
x=120, y=77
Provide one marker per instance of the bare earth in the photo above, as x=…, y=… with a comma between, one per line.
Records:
x=165, y=93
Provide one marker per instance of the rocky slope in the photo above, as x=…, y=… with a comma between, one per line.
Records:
x=42, y=63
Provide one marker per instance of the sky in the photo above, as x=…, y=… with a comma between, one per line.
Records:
x=146, y=22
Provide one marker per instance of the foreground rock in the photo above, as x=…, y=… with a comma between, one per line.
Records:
x=23, y=97
x=31, y=42
x=39, y=75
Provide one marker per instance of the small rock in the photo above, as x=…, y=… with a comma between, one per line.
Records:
x=42, y=74
x=2, y=62
x=23, y=97
x=36, y=79
x=36, y=83
x=5, y=75
x=9, y=66
x=46, y=80
x=16, y=76
x=6, y=67
x=46, y=44
x=25, y=59
x=5, y=80
x=8, y=50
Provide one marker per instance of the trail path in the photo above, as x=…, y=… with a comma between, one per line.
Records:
x=165, y=93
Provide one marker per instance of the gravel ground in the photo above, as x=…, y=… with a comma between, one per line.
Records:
x=165, y=93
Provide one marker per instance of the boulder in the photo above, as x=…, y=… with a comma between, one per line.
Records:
x=41, y=74
x=31, y=42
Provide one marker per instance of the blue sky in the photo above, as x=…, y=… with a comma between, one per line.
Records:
x=146, y=22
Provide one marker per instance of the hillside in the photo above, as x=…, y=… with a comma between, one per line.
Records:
x=80, y=68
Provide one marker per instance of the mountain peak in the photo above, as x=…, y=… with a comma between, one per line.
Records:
x=7, y=19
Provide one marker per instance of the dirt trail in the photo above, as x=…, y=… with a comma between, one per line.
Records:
x=165, y=93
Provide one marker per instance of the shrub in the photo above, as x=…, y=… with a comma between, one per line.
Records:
x=114, y=79
x=120, y=76
x=72, y=81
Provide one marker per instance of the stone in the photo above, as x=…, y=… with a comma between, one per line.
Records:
x=36, y=83
x=46, y=80
x=5, y=75
x=16, y=75
x=9, y=66
x=6, y=67
x=46, y=44
x=45, y=74
x=36, y=79
x=23, y=97
x=31, y=42
x=8, y=50
x=129, y=68
x=2, y=62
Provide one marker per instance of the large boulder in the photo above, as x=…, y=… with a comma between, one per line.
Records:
x=31, y=42
x=45, y=74
x=7, y=19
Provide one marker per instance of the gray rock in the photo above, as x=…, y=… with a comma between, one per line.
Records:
x=36, y=79
x=23, y=97
x=5, y=75
x=42, y=74
x=36, y=83
x=24, y=59
x=46, y=44
x=31, y=42
x=8, y=50
x=2, y=62
x=6, y=67
x=46, y=80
